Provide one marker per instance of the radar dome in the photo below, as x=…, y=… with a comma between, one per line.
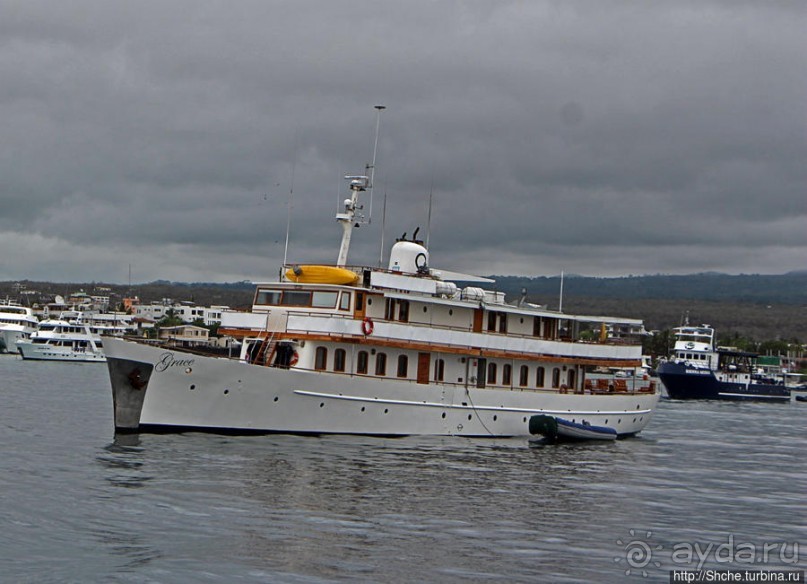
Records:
x=409, y=257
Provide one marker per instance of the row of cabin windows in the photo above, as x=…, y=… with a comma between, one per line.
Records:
x=524, y=376
x=362, y=362
x=363, y=367
x=313, y=299
x=692, y=356
x=541, y=326
x=395, y=309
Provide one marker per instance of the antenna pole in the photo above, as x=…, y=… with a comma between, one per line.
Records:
x=383, y=229
x=429, y=220
x=379, y=109
x=288, y=201
x=560, y=306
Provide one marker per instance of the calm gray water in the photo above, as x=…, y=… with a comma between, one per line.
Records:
x=77, y=506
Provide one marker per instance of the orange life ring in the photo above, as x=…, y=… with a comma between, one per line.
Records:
x=367, y=326
x=294, y=358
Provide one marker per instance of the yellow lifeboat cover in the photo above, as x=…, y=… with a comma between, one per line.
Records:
x=321, y=275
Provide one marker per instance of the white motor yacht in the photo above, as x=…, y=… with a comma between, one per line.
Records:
x=396, y=351
x=16, y=324
x=60, y=340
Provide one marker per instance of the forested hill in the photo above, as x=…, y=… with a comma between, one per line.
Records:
x=784, y=289
x=757, y=307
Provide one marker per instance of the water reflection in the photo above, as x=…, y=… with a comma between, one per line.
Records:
x=336, y=507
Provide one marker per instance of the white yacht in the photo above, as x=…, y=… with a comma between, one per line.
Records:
x=60, y=340
x=101, y=323
x=16, y=323
x=391, y=352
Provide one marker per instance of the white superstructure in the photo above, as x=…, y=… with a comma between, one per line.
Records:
x=16, y=323
x=60, y=340
x=403, y=350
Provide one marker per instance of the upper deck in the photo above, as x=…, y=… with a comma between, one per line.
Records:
x=421, y=311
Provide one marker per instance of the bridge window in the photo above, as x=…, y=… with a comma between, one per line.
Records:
x=296, y=298
x=324, y=299
x=268, y=297
x=344, y=301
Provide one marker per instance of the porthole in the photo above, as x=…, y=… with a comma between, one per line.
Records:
x=362, y=408
x=525, y=418
x=226, y=391
x=495, y=418
x=469, y=416
x=619, y=421
x=188, y=370
x=321, y=404
x=425, y=309
x=275, y=398
x=369, y=302
x=444, y=415
x=606, y=420
x=193, y=387
x=450, y=312
x=386, y=411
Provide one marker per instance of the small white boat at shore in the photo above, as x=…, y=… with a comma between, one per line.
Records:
x=59, y=340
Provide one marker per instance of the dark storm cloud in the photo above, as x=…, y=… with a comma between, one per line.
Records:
x=596, y=137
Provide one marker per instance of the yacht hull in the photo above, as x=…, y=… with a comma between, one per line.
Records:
x=43, y=352
x=8, y=340
x=155, y=389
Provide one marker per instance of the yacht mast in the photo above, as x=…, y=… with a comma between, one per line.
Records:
x=357, y=185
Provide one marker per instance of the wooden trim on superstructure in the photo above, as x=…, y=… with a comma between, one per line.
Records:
x=465, y=351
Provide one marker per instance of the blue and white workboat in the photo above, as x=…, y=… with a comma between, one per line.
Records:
x=700, y=370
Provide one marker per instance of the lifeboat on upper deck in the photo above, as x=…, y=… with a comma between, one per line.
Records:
x=312, y=274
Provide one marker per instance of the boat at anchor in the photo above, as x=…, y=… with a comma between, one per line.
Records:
x=60, y=340
x=17, y=323
x=389, y=352
x=698, y=369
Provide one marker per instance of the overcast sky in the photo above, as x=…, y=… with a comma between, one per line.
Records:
x=601, y=138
